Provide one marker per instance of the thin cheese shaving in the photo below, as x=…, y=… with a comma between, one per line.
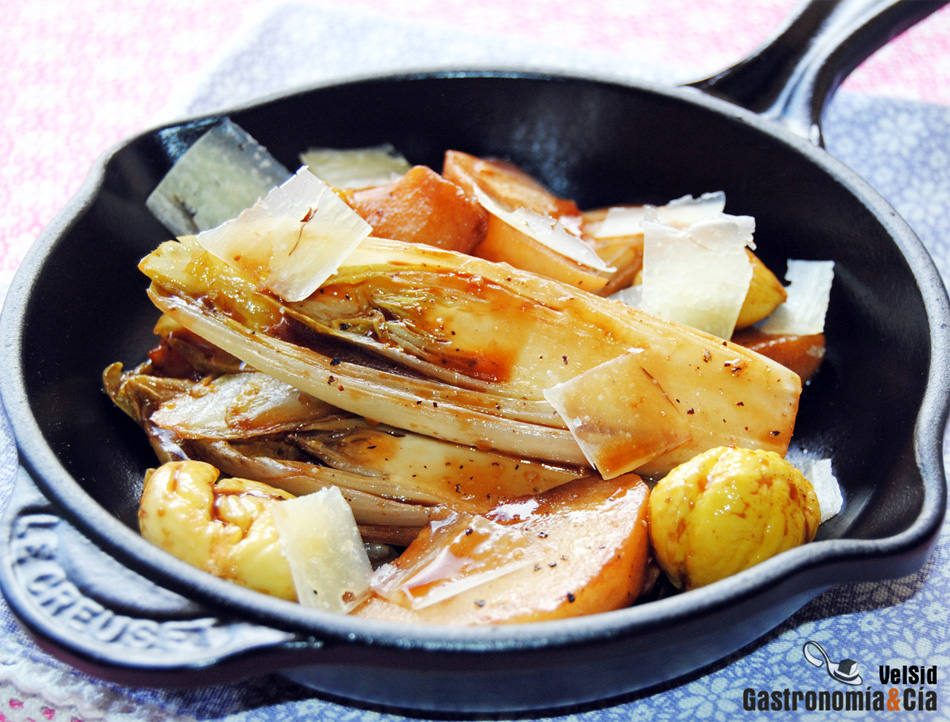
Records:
x=619, y=415
x=356, y=168
x=631, y=295
x=320, y=539
x=221, y=174
x=684, y=211
x=809, y=292
x=699, y=275
x=820, y=475
x=292, y=240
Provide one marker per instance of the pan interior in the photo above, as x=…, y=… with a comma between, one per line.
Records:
x=598, y=143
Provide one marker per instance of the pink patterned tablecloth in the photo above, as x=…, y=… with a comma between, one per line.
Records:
x=79, y=76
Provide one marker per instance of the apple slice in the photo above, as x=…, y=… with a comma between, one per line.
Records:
x=505, y=244
x=423, y=207
x=802, y=354
x=508, y=189
x=505, y=182
x=578, y=549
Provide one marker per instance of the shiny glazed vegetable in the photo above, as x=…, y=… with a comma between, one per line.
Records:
x=222, y=526
x=464, y=384
x=469, y=347
x=752, y=503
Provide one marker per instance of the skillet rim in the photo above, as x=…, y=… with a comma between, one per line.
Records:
x=811, y=566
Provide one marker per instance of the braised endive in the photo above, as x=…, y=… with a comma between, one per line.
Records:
x=255, y=426
x=463, y=349
x=469, y=392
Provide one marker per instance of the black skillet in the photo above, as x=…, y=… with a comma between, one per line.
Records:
x=92, y=591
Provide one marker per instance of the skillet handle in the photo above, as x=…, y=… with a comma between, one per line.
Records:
x=794, y=75
x=85, y=608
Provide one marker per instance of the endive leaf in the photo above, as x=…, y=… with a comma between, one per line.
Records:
x=238, y=406
x=531, y=334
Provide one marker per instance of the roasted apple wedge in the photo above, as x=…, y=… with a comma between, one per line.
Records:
x=505, y=182
x=517, y=239
x=578, y=549
x=423, y=207
x=802, y=354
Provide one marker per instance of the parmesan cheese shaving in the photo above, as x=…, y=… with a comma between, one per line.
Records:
x=699, y=275
x=622, y=221
x=320, y=539
x=681, y=212
x=631, y=295
x=809, y=292
x=459, y=553
x=545, y=230
x=221, y=174
x=822, y=478
x=619, y=415
x=292, y=240
x=356, y=168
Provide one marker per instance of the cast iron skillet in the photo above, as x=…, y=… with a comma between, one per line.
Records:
x=89, y=588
